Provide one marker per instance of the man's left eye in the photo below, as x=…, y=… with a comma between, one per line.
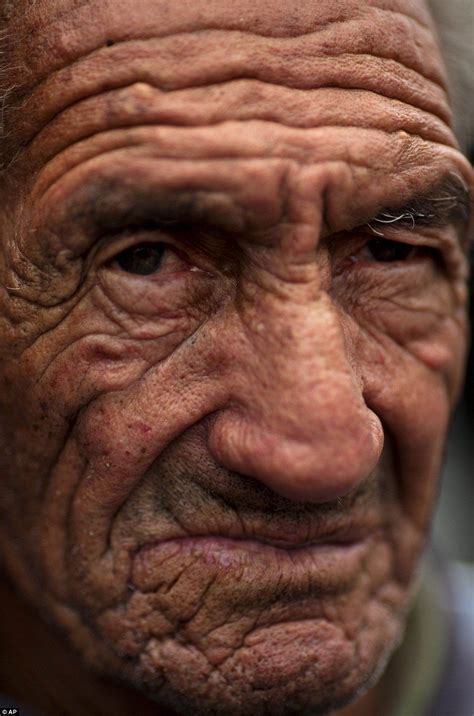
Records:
x=386, y=251
x=142, y=259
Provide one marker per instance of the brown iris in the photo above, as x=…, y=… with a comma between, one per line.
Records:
x=384, y=250
x=142, y=259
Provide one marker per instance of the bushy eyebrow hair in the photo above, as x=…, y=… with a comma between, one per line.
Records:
x=447, y=203
x=107, y=206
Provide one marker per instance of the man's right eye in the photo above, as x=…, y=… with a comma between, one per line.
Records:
x=142, y=259
x=387, y=251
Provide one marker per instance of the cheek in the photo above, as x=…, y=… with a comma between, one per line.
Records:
x=444, y=352
x=412, y=388
x=407, y=329
x=116, y=435
x=99, y=401
x=98, y=348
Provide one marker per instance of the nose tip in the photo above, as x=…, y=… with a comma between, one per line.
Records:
x=317, y=466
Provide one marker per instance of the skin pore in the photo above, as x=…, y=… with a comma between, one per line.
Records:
x=232, y=334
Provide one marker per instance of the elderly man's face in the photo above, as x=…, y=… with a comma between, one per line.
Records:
x=232, y=334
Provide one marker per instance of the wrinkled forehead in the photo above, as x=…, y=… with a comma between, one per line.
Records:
x=265, y=16
x=52, y=33
x=67, y=50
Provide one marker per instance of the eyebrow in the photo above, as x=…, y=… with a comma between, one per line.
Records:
x=106, y=206
x=447, y=203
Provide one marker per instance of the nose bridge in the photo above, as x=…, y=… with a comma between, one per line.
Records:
x=298, y=363
x=297, y=419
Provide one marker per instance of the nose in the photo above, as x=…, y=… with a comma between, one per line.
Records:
x=296, y=419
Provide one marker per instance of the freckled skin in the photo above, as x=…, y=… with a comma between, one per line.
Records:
x=270, y=382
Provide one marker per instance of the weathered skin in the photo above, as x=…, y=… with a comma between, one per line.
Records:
x=271, y=386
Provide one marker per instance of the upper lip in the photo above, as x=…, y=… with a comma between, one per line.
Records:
x=346, y=534
x=283, y=537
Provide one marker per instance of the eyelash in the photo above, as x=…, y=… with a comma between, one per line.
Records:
x=377, y=249
x=362, y=247
x=112, y=245
x=406, y=251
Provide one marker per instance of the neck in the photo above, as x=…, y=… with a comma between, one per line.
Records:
x=41, y=671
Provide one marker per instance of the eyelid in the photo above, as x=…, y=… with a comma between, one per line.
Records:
x=114, y=244
x=437, y=240
x=433, y=241
x=440, y=238
x=190, y=244
x=346, y=248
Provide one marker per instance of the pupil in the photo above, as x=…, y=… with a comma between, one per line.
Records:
x=386, y=250
x=144, y=259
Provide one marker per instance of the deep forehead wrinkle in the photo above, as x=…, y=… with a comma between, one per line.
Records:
x=173, y=65
x=362, y=51
x=54, y=37
x=269, y=17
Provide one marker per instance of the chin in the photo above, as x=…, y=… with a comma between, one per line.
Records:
x=303, y=667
